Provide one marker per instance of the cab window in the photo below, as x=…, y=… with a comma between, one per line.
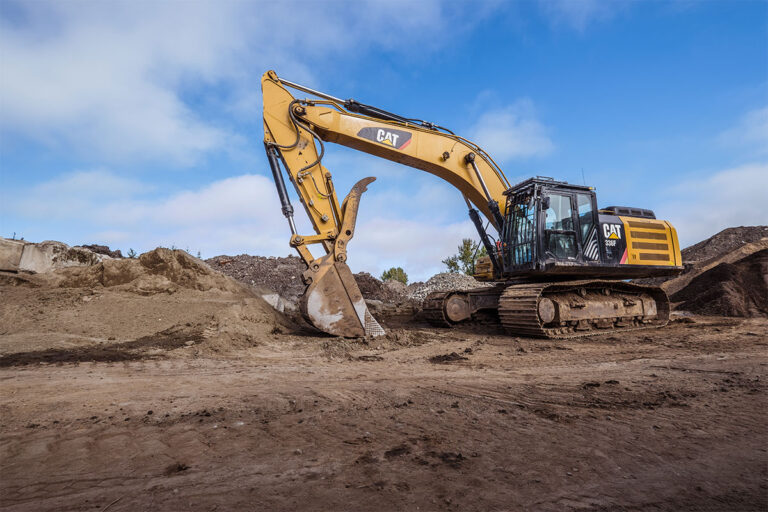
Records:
x=586, y=218
x=587, y=226
x=559, y=213
x=560, y=238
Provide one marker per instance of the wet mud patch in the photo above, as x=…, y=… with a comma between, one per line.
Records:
x=397, y=451
x=447, y=358
x=369, y=358
x=167, y=340
x=175, y=468
x=451, y=459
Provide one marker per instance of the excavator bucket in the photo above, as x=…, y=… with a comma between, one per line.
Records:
x=332, y=301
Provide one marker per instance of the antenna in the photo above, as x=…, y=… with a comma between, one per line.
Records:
x=583, y=181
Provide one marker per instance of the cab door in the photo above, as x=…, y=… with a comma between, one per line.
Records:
x=570, y=227
x=560, y=240
x=586, y=211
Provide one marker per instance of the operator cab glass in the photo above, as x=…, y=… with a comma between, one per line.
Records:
x=587, y=226
x=560, y=237
x=519, y=234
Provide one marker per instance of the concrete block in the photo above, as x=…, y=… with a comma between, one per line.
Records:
x=10, y=254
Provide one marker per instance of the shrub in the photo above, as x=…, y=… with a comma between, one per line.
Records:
x=396, y=273
x=464, y=260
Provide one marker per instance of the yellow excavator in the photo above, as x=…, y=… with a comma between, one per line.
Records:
x=558, y=267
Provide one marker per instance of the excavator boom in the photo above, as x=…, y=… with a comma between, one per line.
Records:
x=294, y=133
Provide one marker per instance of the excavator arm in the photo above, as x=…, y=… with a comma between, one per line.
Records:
x=294, y=133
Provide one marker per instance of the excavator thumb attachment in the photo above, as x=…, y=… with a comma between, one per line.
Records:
x=332, y=301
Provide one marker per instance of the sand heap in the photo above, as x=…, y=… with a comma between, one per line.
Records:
x=119, y=308
x=158, y=271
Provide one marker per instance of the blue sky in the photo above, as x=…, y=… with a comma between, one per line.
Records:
x=138, y=124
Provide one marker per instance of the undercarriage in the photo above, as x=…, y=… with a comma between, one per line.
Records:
x=555, y=309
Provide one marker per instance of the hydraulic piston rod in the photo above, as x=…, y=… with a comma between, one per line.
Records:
x=277, y=175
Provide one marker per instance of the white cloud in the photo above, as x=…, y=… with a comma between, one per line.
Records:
x=131, y=81
x=512, y=132
x=239, y=213
x=705, y=206
x=242, y=215
x=416, y=246
x=750, y=134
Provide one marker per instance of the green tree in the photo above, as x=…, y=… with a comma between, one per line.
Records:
x=466, y=257
x=396, y=273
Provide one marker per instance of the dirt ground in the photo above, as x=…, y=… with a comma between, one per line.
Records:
x=121, y=399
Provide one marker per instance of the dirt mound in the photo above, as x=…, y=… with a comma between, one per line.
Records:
x=281, y=275
x=374, y=289
x=728, y=246
x=729, y=289
x=443, y=282
x=723, y=243
x=159, y=271
x=693, y=270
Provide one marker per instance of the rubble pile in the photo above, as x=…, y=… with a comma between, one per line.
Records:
x=375, y=289
x=443, y=282
x=281, y=275
x=103, y=249
x=42, y=257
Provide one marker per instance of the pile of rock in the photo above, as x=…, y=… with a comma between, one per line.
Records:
x=281, y=275
x=443, y=282
x=386, y=291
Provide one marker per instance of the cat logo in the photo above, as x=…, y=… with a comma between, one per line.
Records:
x=397, y=139
x=612, y=231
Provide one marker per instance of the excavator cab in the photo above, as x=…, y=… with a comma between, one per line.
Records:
x=548, y=223
x=555, y=228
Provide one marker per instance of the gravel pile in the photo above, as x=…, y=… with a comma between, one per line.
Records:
x=282, y=275
x=443, y=282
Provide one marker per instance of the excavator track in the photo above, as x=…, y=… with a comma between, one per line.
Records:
x=581, y=308
x=557, y=310
x=433, y=309
x=445, y=309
